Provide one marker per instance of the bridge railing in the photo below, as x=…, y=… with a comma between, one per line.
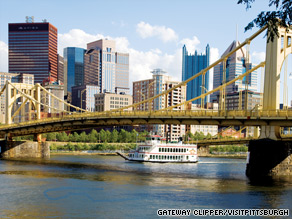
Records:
x=192, y=114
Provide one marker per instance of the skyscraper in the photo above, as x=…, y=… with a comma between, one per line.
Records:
x=111, y=72
x=73, y=67
x=60, y=68
x=92, y=67
x=191, y=65
x=122, y=72
x=149, y=88
x=236, y=65
x=33, y=49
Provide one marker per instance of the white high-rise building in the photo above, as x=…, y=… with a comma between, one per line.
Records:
x=159, y=83
x=112, y=71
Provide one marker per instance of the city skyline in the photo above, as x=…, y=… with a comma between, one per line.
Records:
x=152, y=32
x=144, y=35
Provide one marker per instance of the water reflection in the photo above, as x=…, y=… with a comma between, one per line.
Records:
x=83, y=186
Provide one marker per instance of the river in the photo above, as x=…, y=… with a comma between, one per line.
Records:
x=67, y=186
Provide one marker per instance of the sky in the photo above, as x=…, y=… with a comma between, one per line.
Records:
x=152, y=32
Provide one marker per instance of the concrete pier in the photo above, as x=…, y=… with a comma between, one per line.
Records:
x=269, y=157
x=24, y=149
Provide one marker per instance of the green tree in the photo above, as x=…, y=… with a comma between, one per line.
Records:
x=133, y=136
x=108, y=136
x=142, y=136
x=199, y=136
x=103, y=136
x=114, y=136
x=83, y=137
x=92, y=137
x=51, y=136
x=272, y=19
x=124, y=136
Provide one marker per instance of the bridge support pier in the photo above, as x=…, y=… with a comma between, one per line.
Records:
x=24, y=149
x=267, y=157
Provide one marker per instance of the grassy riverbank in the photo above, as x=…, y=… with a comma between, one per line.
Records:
x=110, y=149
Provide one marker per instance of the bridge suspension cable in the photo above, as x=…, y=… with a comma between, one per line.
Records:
x=202, y=72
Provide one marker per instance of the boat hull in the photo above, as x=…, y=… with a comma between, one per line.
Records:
x=152, y=161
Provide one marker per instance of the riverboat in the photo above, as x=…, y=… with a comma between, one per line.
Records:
x=156, y=150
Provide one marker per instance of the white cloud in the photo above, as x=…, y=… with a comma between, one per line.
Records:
x=76, y=38
x=141, y=62
x=3, y=57
x=258, y=57
x=191, y=44
x=163, y=33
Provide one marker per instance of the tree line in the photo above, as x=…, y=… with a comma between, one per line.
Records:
x=96, y=147
x=103, y=136
x=228, y=148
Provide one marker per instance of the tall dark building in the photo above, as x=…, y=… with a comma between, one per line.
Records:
x=33, y=49
x=191, y=65
x=73, y=67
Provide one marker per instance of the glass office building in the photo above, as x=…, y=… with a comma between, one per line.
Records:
x=191, y=65
x=73, y=67
x=107, y=68
x=33, y=49
x=236, y=65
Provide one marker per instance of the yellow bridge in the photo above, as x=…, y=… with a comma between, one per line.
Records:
x=267, y=116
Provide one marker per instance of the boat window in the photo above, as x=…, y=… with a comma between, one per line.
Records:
x=159, y=157
x=150, y=156
x=162, y=149
x=167, y=157
x=187, y=157
x=156, y=156
x=159, y=149
x=185, y=150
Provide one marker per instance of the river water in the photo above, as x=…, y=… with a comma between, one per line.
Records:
x=67, y=186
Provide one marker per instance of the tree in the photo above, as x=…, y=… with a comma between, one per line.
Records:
x=282, y=17
x=62, y=136
x=93, y=135
x=114, y=135
x=134, y=136
x=124, y=136
x=103, y=136
x=51, y=136
x=108, y=136
x=83, y=137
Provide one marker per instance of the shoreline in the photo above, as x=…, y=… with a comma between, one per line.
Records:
x=238, y=156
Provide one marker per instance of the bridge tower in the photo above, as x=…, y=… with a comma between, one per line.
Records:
x=26, y=94
x=276, y=52
x=269, y=155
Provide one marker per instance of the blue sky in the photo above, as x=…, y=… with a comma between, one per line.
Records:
x=152, y=31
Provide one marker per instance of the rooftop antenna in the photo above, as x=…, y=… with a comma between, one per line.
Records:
x=236, y=33
x=29, y=19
